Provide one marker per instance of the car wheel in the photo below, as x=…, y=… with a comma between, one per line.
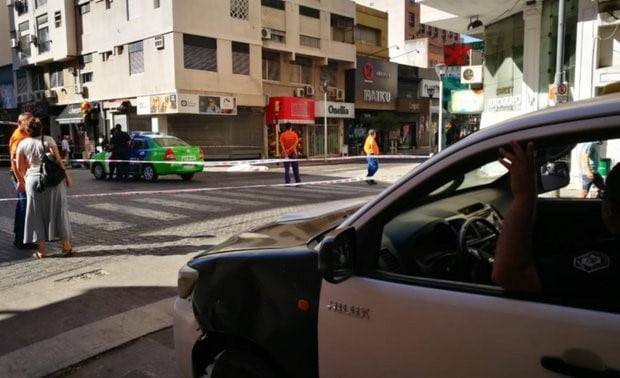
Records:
x=187, y=176
x=149, y=173
x=241, y=363
x=98, y=171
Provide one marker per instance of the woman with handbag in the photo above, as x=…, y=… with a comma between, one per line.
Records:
x=47, y=215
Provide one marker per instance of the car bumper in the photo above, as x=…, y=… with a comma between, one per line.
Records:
x=186, y=333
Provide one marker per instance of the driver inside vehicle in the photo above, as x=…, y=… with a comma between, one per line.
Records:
x=587, y=270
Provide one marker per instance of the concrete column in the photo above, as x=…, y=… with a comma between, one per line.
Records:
x=587, y=50
x=159, y=124
x=532, y=17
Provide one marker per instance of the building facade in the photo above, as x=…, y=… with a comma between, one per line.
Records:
x=202, y=72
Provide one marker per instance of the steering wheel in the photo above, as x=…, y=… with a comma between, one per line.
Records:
x=477, y=239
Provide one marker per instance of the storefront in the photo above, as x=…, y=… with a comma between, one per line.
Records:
x=213, y=122
x=375, y=84
x=300, y=113
x=413, y=134
x=336, y=114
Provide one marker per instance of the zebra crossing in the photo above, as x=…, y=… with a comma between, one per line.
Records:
x=141, y=213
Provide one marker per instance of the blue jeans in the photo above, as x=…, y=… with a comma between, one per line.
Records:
x=287, y=168
x=373, y=165
x=20, y=216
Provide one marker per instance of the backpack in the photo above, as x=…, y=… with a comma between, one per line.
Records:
x=51, y=173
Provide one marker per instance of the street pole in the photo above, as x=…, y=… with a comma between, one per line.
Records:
x=324, y=85
x=441, y=70
x=430, y=90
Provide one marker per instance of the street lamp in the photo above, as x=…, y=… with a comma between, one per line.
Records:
x=324, y=85
x=441, y=70
x=430, y=90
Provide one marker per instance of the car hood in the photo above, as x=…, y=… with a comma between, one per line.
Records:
x=291, y=230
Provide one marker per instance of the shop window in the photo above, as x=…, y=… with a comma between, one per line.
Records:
x=271, y=66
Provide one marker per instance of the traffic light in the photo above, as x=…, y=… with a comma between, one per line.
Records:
x=85, y=109
x=276, y=106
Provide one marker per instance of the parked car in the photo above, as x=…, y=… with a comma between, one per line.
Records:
x=401, y=286
x=152, y=155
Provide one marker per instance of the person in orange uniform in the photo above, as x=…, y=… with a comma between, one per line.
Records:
x=372, y=150
x=18, y=135
x=288, y=146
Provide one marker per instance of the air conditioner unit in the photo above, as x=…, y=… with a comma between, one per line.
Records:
x=50, y=94
x=159, y=41
x=265, y=33
x=14, y=43
x=471, y=74
x=300, y=92
x=339, y=94
x=32, y=38
x=309, y=89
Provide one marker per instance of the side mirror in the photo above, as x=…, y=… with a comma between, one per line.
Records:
x=554, y=175
x=336, y=255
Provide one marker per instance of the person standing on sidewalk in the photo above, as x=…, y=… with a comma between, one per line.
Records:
x=120, y=151
x=590, y=159
x=65, y=150
x=372, y=150
x=18, y=135
x=288, y=144
x=47, y=215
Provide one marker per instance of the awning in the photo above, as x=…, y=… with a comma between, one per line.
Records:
x=72, y=113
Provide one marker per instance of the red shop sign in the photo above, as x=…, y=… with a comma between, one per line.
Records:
x=290, y=109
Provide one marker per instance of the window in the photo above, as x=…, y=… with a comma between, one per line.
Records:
x=43, y=34
x=135, y=8
x=57, y=19
x=199, y=53
x=330, y=73
x=411, y=19
x=239, y=9
x=22, y=81
x=309, y=12
x=87, y=58
x=276, y=4
x=87, y=77
x=305, y=40
x=84, y=8
x=37, y=80
x=56, y=77
x=278, y=36
x=39, y=3
x=24, y=38
x=136, y=58
x=342, y=28
x=366, y=35
x=271, y=66
x=241, y=58
x=300, y=71
x=156, y=4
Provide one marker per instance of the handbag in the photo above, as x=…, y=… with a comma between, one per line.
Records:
x=51, y=173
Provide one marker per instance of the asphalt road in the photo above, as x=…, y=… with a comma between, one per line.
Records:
x=120, y=230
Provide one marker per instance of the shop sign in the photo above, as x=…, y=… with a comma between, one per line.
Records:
x=291, y=109
x=335, y=109
x=187, y=104
x=505, y=103
x=376, y=81
x=466, y=101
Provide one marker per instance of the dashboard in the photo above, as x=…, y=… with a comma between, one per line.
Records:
x=451, y=238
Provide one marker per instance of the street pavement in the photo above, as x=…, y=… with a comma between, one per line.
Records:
x=58, y=322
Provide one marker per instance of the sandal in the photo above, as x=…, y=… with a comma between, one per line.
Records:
x=68, y=252
x=38, y=255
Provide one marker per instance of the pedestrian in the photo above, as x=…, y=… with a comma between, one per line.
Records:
x=47, y=214
x=589, y=158
x=288, y=145
x=372, y=150
x=65, y=149
x=18, y=135
x=120, y=151
x=559, y=273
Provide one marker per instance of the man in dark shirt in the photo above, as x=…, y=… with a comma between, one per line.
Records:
x=585, y=271
x=120, y=151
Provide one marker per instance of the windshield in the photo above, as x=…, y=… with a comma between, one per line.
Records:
x=480, y=176
x=169, y=141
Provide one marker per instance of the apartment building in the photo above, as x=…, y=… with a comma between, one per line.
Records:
x=206, y=72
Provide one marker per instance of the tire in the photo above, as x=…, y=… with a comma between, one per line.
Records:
x=239, y=363
x=149, y=174
x=187, y=176
x=98, y=171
